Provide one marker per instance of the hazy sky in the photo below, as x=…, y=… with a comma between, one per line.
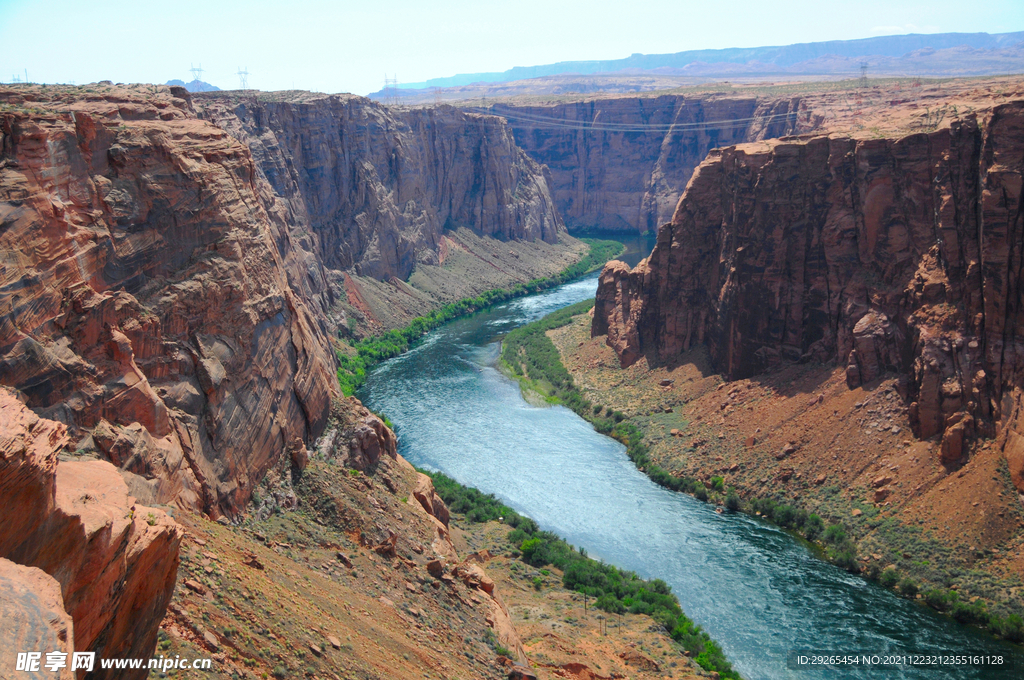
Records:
x=346, y=46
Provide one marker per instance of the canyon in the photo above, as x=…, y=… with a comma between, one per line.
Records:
x=831, y=321
x=620, y=163
x=174, y=278
x=178, y=271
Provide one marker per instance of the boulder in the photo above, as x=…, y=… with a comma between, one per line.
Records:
x=428, y=499
x=116, y=561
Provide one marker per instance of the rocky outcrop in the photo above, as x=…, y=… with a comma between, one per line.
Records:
x=879, y=254
x=32, y=610
x=115, y=561
x=356, y=437
x=377, y=186
x=621, y=163
x=428, y=499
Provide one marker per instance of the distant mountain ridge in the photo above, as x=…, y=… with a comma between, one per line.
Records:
x=194, y=85
x=782, y=57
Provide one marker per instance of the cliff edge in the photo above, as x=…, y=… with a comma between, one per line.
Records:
x=885, y=255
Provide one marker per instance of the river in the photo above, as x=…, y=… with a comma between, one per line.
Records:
x=758, y=591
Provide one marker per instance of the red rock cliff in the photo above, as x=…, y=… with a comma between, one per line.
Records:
x=898, y=255
x=147, y=298
x=168, y=275
x=621, y=163
x=377, y=186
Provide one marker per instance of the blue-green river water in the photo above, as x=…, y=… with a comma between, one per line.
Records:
x=754, y=588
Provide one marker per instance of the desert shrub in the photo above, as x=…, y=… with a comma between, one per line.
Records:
x=835, y=534
x=1010, y=627
x=966, y=612
x=940, y=599
x=813, y=526
x=888, y=578
x=908, y=587
x=732, y=501
x=784, y=515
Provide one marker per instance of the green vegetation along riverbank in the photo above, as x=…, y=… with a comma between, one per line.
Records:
x=611, y=589
x=369, y=352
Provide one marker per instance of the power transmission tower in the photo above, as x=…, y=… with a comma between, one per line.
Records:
x=863, y=74
x=437, y=96
x=391, y=90
x=243, y=77
x=197, y=77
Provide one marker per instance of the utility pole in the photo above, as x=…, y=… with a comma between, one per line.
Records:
x=197, y=77
x=243, y=77
x=391, y=90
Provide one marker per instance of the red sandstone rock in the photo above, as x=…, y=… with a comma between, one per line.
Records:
x=429, y=500
x=355, y=436
x=863, y=252
x=115, y=561
x=149, y=287
x=607, y=179
x=34, y=620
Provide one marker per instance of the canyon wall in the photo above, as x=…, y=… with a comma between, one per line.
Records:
x=885, y=255
x=379, y=186
x=621, y=163
x=169, y=276
x=145, y=294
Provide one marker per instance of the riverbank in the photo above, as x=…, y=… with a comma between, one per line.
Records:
x=756, y=446
x=640, y=628
x=356, y=358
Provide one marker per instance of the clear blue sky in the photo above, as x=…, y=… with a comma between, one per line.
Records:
x=345, y=46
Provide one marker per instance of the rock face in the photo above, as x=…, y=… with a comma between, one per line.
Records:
x=32, y=610
x=880, y=254
x=166, y=289
x=146, y=294
x=356, y=437
x=621, y=163
x=379, y=186
x=115, y=562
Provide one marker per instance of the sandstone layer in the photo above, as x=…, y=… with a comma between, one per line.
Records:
x=32, y=610
x=378, y=186
x=886, y=255
x=114, y=562
x=172, y=276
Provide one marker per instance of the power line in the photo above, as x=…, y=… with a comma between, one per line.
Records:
x=197, y=76
x=546, y=122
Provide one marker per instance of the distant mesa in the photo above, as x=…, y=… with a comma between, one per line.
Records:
x=921, y=55
x=194, y=86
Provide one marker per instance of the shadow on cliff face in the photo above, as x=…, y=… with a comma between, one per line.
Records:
x=863, y=253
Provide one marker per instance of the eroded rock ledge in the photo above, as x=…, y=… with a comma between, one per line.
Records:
x=83, y=545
